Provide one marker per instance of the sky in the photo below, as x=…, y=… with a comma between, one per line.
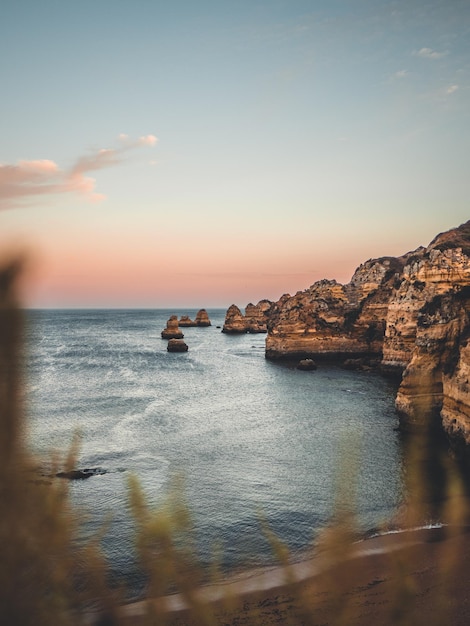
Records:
x=199, y=154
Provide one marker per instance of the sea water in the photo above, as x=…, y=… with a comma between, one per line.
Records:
x=252, y=439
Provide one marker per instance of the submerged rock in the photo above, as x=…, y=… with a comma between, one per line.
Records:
x=82, y=474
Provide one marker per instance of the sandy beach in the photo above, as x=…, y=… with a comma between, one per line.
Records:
x=418, y=576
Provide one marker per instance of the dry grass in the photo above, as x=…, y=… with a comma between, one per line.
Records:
x=46, y=578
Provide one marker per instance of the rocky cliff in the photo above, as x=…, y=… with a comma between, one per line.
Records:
x=408, y=315
x=330, y=320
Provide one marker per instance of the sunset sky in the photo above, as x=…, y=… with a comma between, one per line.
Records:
x=159, y=154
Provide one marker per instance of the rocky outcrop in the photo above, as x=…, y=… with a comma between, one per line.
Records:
x=186, y=322
x=253, y=321
x=81, y=474
x=235, y=322
x=202, y=318
x=330, y=320
x=177, y=345
x=255, y=317
x=172, y=330
x=307, y=365
x=409, y=315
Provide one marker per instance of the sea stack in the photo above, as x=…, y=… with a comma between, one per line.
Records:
x=254, y=321
x=202, y=318
x=234, y=321
x=172, y=330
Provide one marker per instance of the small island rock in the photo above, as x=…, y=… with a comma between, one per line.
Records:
x=172, y=330
x=177, y=345
x=202, y=318
x=307, y=365
x=186, y=321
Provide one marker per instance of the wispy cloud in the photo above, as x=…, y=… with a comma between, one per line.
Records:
x=429, y=53
x=452, y=89
x=401, y=74
x=28, y=179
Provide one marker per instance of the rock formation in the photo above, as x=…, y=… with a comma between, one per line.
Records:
x=408, y=315
x=186, y=322
x=172, y=330
x=177, y=345
x=202, y=318
x=254, y=320
x=307, y=365
x=330, y=320
x=81, y=474
x=235, y=322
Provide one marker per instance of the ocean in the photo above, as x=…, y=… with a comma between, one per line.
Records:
x=251, y=439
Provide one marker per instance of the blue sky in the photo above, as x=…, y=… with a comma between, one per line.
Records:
x=295, y=140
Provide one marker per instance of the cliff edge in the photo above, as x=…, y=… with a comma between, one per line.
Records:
x=407, y=315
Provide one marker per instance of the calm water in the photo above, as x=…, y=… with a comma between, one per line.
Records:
x=247, y=434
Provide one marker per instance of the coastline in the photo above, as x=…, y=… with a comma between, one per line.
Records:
x=421, y=570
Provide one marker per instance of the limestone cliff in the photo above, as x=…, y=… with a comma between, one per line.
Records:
x=331, y=320
x=409, y=315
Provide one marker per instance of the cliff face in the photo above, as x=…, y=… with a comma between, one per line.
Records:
x=333, y=320
x=455, y=411
x=410, y=315
x=428, y=273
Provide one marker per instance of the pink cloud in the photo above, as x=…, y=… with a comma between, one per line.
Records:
x=29, y=179
x=148, y=140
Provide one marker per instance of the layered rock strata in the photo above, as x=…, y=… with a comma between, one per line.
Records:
x=202, y=318
x=234, y=321
x=172, y=330
x=408, y=315
x=253, y=321
x=330, y=320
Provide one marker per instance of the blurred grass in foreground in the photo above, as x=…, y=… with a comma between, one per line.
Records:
x=48, y=578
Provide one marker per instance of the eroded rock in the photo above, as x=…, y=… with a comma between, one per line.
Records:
x=177, y=345
x=172, y=330
x=202, y=318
